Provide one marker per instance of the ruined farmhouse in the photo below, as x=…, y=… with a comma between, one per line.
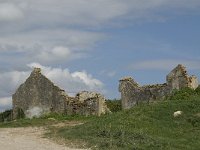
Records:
x=38, y=96
x=132, y=93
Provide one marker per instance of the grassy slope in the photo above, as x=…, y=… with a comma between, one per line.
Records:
x=147, y=126
x=46, y=121
x=144, y=127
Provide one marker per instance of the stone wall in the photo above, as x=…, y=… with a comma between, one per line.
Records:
x=38, y=96
x=87, y=103
x=132, y=93
x=178, y=78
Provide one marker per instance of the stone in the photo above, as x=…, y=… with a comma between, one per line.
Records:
x=177, y=113
x=39, y=96
x=95, y=103
x=178, y=78
x=87, y=103
x=132, y=93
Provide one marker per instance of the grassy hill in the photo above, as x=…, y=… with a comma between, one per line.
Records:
x=144, y=127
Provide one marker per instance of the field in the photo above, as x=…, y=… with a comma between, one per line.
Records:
x=146, y=126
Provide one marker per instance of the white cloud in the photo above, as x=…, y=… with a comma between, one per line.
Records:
x=5, y=103
x=9, y=81
x=47, y=46
x=87, y=79
x=48, y=25
x=72, y=82
x=165, y=64
x=55, y=54
x=98, y=12
x=10, y=12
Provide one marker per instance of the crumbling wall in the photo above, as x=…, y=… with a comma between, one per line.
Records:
x=132, y=93
x=178, y=78
x=38, y=96
x=87, y=103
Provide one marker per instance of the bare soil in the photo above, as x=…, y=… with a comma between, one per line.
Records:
x=30, y=138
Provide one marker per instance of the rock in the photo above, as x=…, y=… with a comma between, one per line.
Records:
x=177, y=113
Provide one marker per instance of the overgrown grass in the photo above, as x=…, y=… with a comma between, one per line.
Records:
x=114, y=105
x=46, y=120
x=146, y=126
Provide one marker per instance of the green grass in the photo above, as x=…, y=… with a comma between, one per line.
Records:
x=46, y=120
x=144, y=127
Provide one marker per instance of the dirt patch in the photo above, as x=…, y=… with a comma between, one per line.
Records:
x=68, y=124
x=28, y=139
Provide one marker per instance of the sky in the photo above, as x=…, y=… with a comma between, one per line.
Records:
x=91, y=44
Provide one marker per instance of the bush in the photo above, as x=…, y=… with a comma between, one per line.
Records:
x=198, y=90
x=6, y=116
x=114, y=105
x=194, y=120
x=182, y=94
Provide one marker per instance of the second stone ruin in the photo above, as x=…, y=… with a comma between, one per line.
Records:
x=132, y=93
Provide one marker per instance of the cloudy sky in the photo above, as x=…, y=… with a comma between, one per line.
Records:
x=91, y=44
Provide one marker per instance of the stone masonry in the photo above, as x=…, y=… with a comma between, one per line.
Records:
x=38, y=96
x=87, y=103
x=132, y=93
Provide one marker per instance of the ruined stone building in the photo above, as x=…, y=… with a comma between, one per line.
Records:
x=38, y=95
x=132, y=93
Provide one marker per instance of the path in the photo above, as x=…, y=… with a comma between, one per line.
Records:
x=27, y=139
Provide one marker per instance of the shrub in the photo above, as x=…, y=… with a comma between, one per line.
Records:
x=114, y=105
x=182, y=94
x=198, y=90
x=194, y=120
x=6, y=116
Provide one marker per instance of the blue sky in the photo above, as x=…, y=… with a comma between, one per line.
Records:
x=91, y=44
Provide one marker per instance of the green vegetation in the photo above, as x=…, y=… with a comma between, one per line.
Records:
x=144, y=127
x=6, y=116
x=114, y=105
x=46, y=120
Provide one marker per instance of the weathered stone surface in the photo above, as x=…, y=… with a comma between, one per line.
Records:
x=38, y=96
x=178, y=78
x=132, y=93
x=87, y=103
